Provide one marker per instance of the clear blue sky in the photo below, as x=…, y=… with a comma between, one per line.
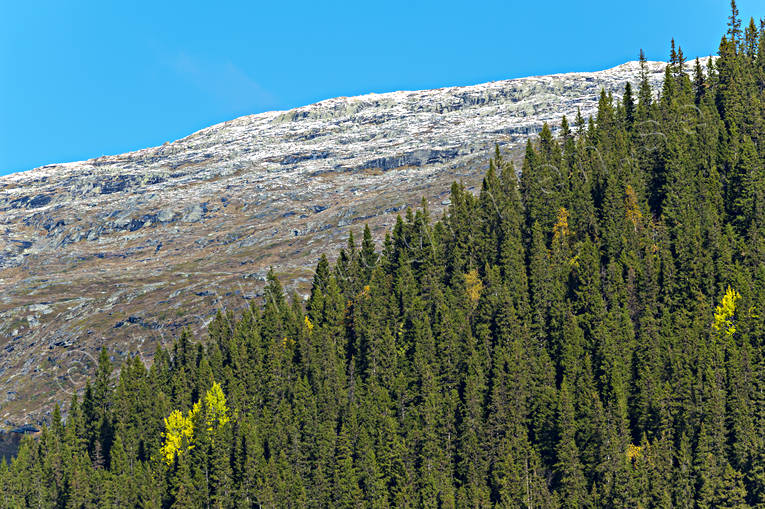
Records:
x=79, y=79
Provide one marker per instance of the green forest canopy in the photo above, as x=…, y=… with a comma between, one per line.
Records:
x=589, y=334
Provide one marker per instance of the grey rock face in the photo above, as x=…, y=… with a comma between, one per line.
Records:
x=165, y=215
x=126, y=250
x=193, y=213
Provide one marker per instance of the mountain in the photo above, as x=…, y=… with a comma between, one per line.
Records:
x=124, y=251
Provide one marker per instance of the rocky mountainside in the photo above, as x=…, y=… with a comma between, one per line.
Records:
x=123, y=251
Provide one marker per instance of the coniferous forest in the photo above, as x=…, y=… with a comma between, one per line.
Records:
x=587, y=331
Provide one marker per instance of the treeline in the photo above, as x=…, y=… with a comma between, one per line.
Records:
x=590, y=333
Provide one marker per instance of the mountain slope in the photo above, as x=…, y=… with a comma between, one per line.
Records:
x=123, y=251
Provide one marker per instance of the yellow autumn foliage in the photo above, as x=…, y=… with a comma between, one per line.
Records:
x=725, y=311
x=308, y=324
x=216, y=411
x=179, y=428
x=473, y=286
x=561, y=230
x=178, y=435
x=634, y=452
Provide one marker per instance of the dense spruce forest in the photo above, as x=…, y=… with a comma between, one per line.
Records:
x=587, y=331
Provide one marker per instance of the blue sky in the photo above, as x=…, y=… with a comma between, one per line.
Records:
x=80, y=79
